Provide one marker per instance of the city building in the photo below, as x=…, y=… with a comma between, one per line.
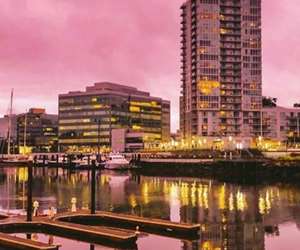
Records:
x=221, y=68
x=87, y=118
x=37, y=131
x=125, y=140
x=281, y=124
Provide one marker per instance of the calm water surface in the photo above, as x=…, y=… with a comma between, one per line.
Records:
x=233, y=217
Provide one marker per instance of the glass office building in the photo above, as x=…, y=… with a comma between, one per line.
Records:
x=87, y=118
x=37, y=131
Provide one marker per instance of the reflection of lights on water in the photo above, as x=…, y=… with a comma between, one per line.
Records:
x=208, y=245
x=203, y=196
x=200, y=200
x=241, y=201
x=193, y=194
x=174, y=192
x=104, y=179
x=132, y=201
x=174, y=203
x=73, y=180
x=221, y=197
x=145, y=193
x=268, y=202
x=184, y=194
x=264, y=204
x=224, y=219
x=261, y=205
x=22, y=174
x=231, y=202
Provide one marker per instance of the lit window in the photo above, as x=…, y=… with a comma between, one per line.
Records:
x=134, y=109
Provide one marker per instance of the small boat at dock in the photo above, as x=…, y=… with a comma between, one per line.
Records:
x=14, y=159
x=117, y=161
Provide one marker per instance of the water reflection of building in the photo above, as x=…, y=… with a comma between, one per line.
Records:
x=231, y=216
x=228, y=214
x=117, y=184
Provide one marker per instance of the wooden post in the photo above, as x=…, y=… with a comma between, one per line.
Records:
x=70, y=161
x=89, y=160
x=93, y=188
x=29, y=194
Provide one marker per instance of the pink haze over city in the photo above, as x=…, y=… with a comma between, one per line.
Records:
x=54, y=46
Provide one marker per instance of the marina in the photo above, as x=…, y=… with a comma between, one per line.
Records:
x=124, y=130
x=125, y=200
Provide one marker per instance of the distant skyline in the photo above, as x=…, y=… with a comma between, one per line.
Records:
x=54, y=46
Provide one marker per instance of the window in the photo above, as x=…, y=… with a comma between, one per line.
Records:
x=209, y=1
x=205, y=43
x=208, y=57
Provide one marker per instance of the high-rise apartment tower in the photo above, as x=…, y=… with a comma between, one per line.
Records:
x=221, y=68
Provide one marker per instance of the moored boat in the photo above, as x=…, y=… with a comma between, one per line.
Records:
x=14, y=159
x=116, y=161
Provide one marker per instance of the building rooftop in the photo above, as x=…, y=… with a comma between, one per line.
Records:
x=100, y=86
x=291, y=109
x=108, y=88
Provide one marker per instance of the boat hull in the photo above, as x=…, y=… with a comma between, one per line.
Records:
x=116, y=166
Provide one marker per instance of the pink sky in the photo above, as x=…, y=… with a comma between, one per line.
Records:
x=53, y=46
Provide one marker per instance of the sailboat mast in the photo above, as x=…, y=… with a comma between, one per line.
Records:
x=25, y=132
x=9, y=121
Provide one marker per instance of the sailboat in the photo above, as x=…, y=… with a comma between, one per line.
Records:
x=11, y=158
x=7, y=141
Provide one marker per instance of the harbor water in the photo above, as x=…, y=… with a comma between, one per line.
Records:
x=232, y=216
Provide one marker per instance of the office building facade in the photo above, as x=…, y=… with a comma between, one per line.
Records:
x=221, y=68
x=37, y=131
x=87, y=118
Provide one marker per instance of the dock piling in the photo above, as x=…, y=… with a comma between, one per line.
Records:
x=93, y=188
x=29, y=194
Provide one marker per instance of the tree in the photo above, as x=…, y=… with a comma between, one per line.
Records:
x=269, y=102
x=296, y=105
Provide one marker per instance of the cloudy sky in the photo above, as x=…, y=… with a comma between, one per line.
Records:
x=53, y=46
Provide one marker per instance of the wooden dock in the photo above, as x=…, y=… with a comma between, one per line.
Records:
x=149, y=225
x=98, y=235
x=104, y=228
x=13, y=242
x=3, y=217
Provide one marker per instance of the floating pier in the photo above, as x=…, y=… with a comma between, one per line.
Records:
x=157, y=226
x=17, y=243
x=3, y=217
x=90, y=233
x=97, y=235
